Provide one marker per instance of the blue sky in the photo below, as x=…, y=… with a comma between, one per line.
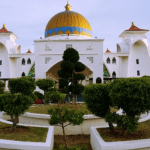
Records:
x=108, y=18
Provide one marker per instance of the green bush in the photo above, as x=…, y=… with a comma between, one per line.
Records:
x=39, y=95
x=14, y=105
x=45, y=84
x=24, y=85
x=133, y=96
x=2, y=86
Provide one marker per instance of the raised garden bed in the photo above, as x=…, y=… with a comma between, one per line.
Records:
x=141, y=139
x=16, y=143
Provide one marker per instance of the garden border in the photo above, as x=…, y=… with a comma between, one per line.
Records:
x=98, y=143
x=48, y=145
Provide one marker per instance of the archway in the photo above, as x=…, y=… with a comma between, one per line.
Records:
x=52, y=74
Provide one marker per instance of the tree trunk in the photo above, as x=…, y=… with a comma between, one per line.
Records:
x=15, y=121
x=64, y=136
x=111, y=127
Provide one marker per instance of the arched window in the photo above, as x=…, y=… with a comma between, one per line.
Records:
x=98, y=80
x=114, y=60
x=23, y=61
x=29, y=61
x=108, y=60
x=23, y=74
x=114, y=74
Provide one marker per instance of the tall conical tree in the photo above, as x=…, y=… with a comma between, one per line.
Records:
x=70, y=73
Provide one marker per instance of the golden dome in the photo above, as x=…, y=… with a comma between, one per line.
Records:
x=68, y=22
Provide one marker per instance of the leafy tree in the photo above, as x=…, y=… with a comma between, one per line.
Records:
x=98, y=101
x=63, y=117
x=45, y=84
x=2, y=86
x=24, y=85
x=14, y=105
x=70, y=73
x=55, y=96
x=133, y=96
x=39, y=95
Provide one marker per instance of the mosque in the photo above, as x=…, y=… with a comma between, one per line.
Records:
x=70, y=29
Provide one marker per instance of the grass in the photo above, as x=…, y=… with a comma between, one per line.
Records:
x=142, y=133
x=32, y=134
x=44, y=108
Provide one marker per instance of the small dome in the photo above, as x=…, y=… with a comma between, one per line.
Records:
x=68, y=22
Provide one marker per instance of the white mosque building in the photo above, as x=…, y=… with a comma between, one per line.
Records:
x=71, y=29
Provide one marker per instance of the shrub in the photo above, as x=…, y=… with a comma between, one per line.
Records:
x=14, y=105
x=133, y=96
x=39, y=95
x=24, y=85
x=97, y=100
x=63, y=117
x=2, y=86
x=45, y=84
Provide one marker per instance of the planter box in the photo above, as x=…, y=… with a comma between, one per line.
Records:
x=98, y=143
x=48, y=145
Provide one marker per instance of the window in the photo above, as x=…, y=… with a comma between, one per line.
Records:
x=114, y=60
x=138, y=73
x=68, y=46
x=23, y=61
x=29, y=61
x=114, y=74
x=108, y=60
x=137, y=61
x=0, y=62
x=23, y=74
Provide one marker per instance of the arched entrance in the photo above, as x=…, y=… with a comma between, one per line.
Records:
x=52, y=74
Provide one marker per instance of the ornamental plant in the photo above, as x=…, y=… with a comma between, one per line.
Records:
x=55, y=96
x=133, y=96
x=98, y=101
x=2, y=86
x=63, y=117
x=45, y=84
x=70, y=73
x=24, y=85
x=14, y=105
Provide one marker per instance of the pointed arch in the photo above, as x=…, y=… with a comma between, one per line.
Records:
x=23, y=74
x=108, y=60
x=114, y=60
x=29, y=61
x=118, y=48
x=114, y=74
x=32, y=71
x=23, y=61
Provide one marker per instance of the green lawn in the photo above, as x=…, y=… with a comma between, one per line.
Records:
x=32, y=134
x=44, y=108
x=142, y=133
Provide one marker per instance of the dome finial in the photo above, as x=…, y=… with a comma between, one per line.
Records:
x=68, y=7
x=4, y=26
x=133, y=24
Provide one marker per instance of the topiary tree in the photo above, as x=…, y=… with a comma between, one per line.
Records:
x=14, y=105
x=55, y=96
x=133, y=96
x=98, y=101
x=39, y=95
x=45, y=84
x=2, y=86
x=24, y=85
x=63, y=117
x=70, y=73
